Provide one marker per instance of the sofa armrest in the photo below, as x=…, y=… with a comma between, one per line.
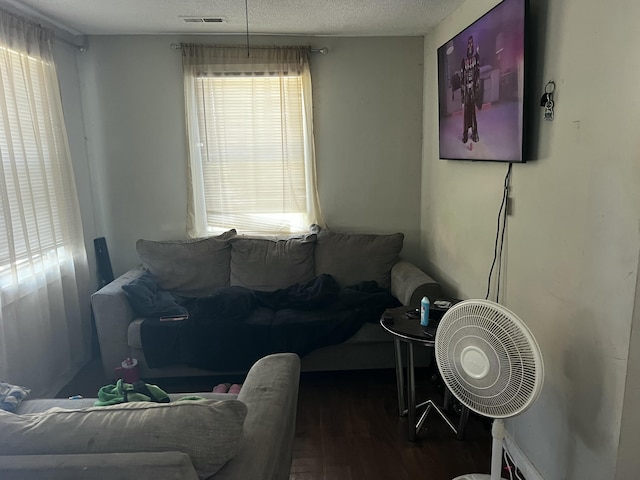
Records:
x=409, y=284
x=270, y=392
x=99, y=466
x=113, y=314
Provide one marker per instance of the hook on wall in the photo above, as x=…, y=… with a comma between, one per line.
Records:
x=547, y=100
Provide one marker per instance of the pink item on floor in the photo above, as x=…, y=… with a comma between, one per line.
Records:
x=221, y=388
x=235, y=388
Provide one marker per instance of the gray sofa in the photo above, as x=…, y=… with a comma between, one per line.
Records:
x=195, y=268
x=167, y=441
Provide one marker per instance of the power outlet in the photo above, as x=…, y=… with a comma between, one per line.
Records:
x=510, y=206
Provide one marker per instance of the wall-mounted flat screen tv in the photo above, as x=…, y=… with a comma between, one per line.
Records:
x=481, y=88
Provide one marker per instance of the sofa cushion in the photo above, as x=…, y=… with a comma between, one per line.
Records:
x=209, y=431
x=191, y=268
x=267, y=264
x=354, y=258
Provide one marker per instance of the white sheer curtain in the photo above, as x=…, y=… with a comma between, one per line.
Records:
x=251, y=146
x=44, y=289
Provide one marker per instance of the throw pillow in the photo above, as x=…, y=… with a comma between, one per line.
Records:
x=265, y=264
x=190, y=268
x=148, y=301
x=209, y=431
x=357, y=257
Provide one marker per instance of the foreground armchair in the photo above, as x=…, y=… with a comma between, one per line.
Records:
x=264, y=450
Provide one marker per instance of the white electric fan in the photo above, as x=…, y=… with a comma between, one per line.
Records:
x=492, y=364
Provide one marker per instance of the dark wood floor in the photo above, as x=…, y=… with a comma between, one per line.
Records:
x=348, y=427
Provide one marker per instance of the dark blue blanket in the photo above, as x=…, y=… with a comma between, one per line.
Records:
x=234, y=327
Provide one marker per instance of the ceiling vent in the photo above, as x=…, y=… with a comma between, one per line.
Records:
x=203, y=19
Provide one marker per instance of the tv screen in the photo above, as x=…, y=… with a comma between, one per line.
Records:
x=481, y=88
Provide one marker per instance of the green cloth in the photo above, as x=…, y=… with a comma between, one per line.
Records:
x=113, y=394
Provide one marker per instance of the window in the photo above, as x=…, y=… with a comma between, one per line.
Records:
x=251, y=144
x=35, y=193
x=45, y=329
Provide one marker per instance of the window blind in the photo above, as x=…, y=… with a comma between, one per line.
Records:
x=249, y=118
x=252, y=149
x=34, y=195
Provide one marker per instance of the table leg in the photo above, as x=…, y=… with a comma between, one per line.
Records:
x=446, y=403
x=411, y=406
x=464, y=414
x=399, y=377
x=462, y=423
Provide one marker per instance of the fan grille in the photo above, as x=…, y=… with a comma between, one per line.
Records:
x=488, y=358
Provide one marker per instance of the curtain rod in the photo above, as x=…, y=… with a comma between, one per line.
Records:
x=26, y=14
x=322, y=51
x=80, y=48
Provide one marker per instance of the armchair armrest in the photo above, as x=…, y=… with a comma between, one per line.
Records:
x=98, y=466
x=409, y=284
x=113, y=314
x=270, y=392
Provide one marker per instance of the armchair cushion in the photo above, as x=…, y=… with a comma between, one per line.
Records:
x=209, y=431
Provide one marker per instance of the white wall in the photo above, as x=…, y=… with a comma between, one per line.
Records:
x=571, y=254
x=367, y=114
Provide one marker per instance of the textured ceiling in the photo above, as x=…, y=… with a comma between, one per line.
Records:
x=285, y=17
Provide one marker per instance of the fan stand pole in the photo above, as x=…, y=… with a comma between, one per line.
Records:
x=497, y=433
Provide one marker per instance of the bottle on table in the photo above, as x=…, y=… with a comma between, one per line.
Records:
x=424, y=312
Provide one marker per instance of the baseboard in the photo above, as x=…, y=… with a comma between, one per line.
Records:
x=520, y=459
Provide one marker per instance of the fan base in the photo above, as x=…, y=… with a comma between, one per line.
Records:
x=475, y=476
